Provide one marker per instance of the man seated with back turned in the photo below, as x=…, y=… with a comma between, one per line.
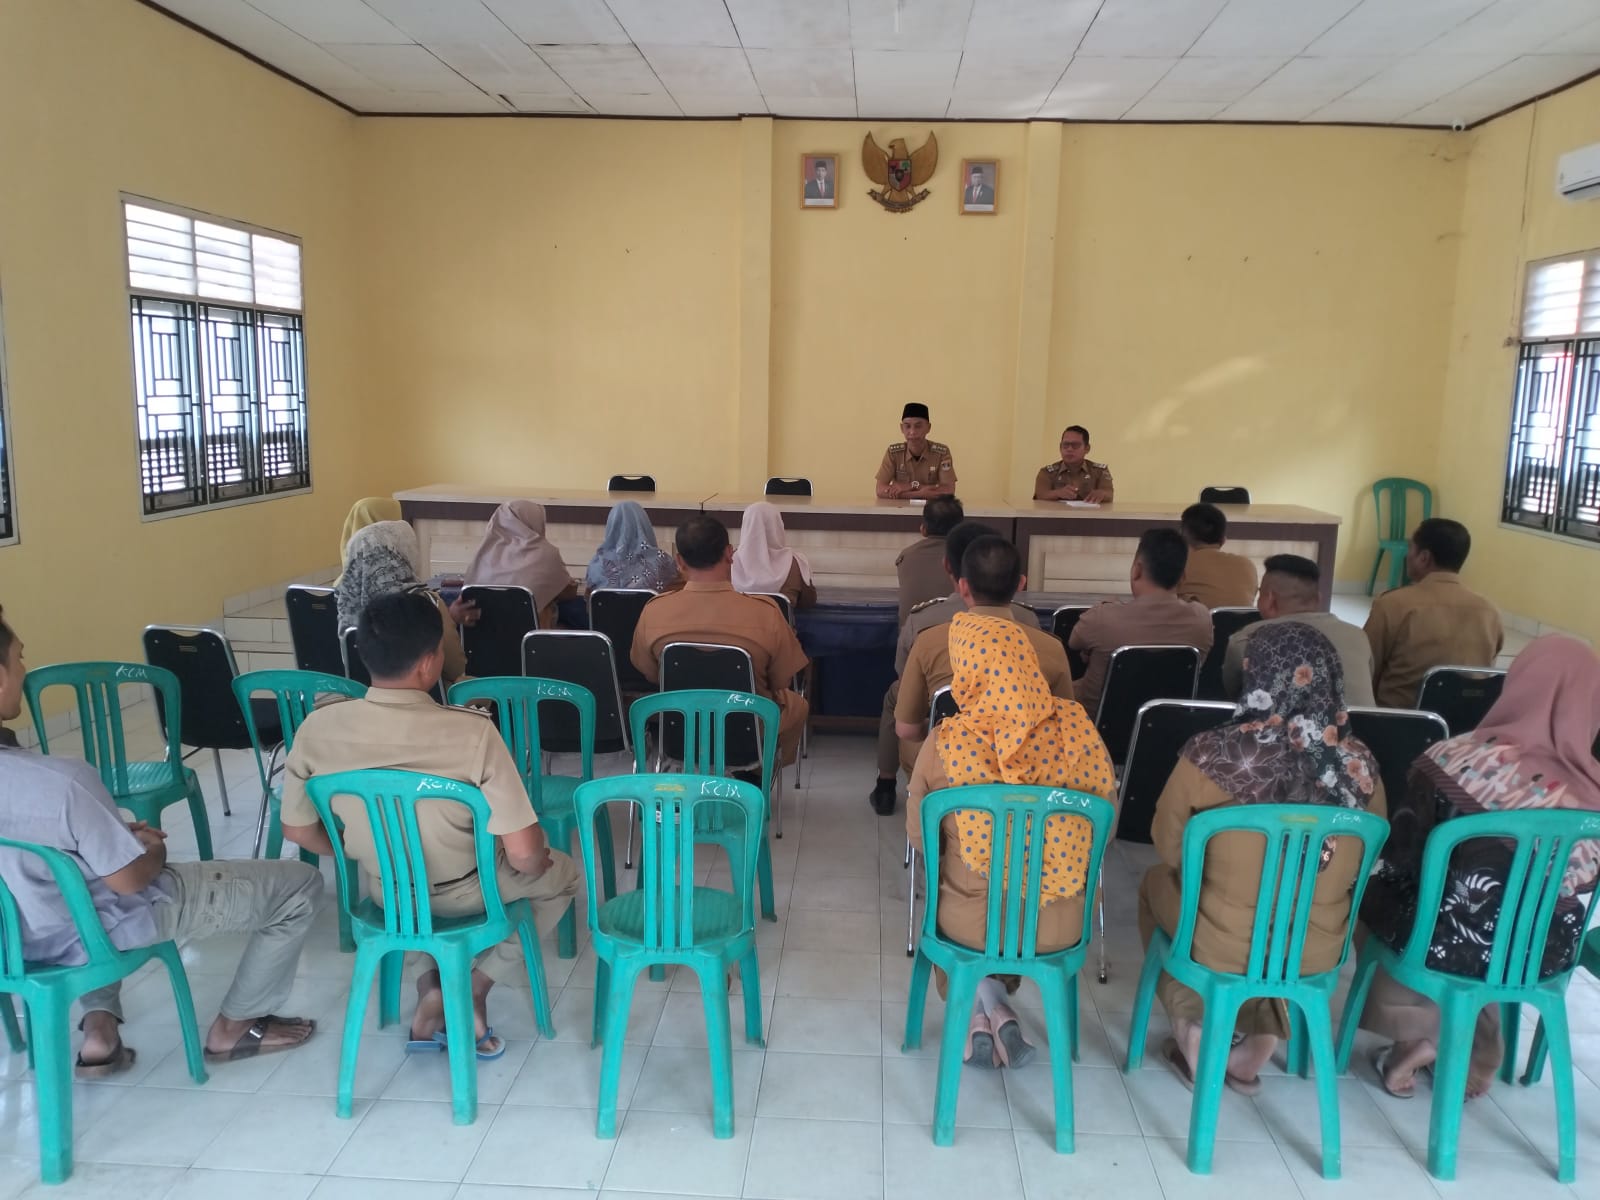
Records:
x=399, y=726
x=1434, y=621
x=142, y=899
x=1155, y=616
x=1213, y=576
x=709, y=610
x=1290, y=592
x=991, y=574
x=920, y=566
x=925, y=616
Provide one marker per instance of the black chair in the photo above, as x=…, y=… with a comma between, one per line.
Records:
x=506, y=615
x=631, y=483
x=587, y=658
x=314, y=628
x=1062, y=622
x=1159, y=733
x=1225, y=622
x=783, y=485
x=1461, y=695
x=943, y=705
x=1396, y=737
x=1137, y=675
x=615, y=613
x=1225, y=495
x=350, y=665
x=210, y=717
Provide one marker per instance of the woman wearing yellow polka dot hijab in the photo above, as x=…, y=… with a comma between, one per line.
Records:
x=1010, y=730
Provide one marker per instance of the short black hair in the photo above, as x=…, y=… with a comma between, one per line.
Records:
x=396, y=630
x=701, y=541
x=1077, y=429
x=941, y=515
x=957, y=541
x=1204, y=524
x=992, y=568
x=1164, y=554
x=975, y=169
x=1447, y=541
x=1302, y=575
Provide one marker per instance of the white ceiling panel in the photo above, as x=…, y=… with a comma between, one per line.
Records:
x=791, y=24
x=1394, y=27
x=994, y=108
x=919, y=25
x=388, y=100
x=1171, y=110
x=1218, y=80
x=1083, y=110
x=719, y=104
x=629, y=104
x=804, y=72
x=1262, y=28
x=502, y=68
x=428, y=20
x=1317, y=81
x=620, y=69
x=1099, y=79
x=328, y=21
x=702, y=69
x=675, y=22
x=1423, y=77
x=1583, y=40
x=812, y=106
x=1030, y=24
x=1149, y=28
x=999, y=73
x=1515, y=27
x=559, y=22
x=889, y=71
x=1361, y=111
x=1274, y=108
x=403, y=68
x=540, y=103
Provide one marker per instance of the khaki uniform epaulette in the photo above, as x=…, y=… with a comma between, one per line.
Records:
x=467, y=708
x=937, y=447
x=916, y=608
x=896, y=447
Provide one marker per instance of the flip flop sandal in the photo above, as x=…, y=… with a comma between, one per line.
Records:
x=252, y=1042
x=1380, y=1064
x=429, y=1045
x=122, y=1058
x=1245, y=1087
x=441, y=1042
x=1175, y=1060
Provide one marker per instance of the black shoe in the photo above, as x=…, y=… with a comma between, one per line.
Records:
x=883, y=797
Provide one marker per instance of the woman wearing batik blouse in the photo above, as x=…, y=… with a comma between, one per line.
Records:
x=1291, y=745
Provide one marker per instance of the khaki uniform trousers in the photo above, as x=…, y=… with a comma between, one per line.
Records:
x=550, y=894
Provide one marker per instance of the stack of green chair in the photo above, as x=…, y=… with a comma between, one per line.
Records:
x=1395, y=535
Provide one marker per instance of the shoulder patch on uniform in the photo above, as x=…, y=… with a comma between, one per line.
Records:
x=938, y=447
x=1098, y=466
x=896, y=447
x=467, y=708
x=1054, y=468
x=918, y=607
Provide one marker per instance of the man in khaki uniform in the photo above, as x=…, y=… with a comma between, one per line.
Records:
x=399, y=726
x=1213, y=576
x=1289, y=592
x=707, y=609
x=1074, y=477
x=1155, y=616
x=925, y=616
x=916, y=466
x=991, y=574
x=1435, y=621
x=920, y=566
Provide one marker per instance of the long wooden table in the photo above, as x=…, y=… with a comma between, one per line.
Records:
x=852, y=542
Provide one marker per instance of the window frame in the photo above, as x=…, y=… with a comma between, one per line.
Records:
x=195, y=307
x=10, y=529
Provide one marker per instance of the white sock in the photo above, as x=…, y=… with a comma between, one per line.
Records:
x=991, y=992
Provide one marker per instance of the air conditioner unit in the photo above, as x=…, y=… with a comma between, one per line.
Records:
x=1578, y=174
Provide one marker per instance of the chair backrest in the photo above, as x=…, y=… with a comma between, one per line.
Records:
x=295, y=694
x=209, y=717
x=1023, y=818
x=1062, y=622
x=354, y=668
x=314, y=628
x=1226, y=494
x=584, y=657
x=1160, y=732
x=781, y=601
x=631, y=483
x=716, y=730
x=1541, y=843
x=941, y=706
x=1135, y=676
x=1225, y=622
x=96, y=686
x=389, y=799
x=1397, y=489
x=615, y=613
x=1294, y=837
x=1463, y=696
x=788, y=485
x=1396, y=737
x=74, y=890
x=674, y=808
x=506, y=615
x=520, y=706
x=720, y=670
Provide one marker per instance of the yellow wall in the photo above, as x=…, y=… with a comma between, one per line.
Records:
x=1510, y=217
x=95, y=99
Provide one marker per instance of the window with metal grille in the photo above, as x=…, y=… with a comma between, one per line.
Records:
x=219, y=361
x=1553, y=466
x=8, y=519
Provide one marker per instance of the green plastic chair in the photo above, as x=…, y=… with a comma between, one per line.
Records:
x=143, y=788
x=1394, y=537
x=296, y=695
x=1589, y=960
x=8, y=1018
x=706, y=715
x=1293, y=835
x=1541, y=842
x=48, y=993
x=1021, y=818
x=405, y=921
x=517, y=700
x=668, y=919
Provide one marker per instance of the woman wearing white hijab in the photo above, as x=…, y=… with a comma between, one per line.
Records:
x=765, y=563
x=384, y=558
x=515, y=552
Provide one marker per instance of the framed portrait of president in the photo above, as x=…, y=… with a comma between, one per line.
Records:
x=980, y=186
x=819, y=181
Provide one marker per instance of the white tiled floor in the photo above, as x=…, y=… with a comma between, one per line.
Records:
x=831, y=1109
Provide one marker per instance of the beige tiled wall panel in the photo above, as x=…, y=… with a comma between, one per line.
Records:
x=1100, y=564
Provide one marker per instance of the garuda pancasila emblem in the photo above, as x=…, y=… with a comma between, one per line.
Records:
x=899, y=171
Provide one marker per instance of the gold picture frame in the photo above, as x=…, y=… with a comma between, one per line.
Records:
x=979, y=197
x=819, y=191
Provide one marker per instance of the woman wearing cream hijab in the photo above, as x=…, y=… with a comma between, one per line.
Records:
x=369, y=510
x=514, y=552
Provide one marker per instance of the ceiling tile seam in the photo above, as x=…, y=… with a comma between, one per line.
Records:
x=666, y=91
x=1221, y=8
x=512, y=33
x=492, y=98
x=1476, y=13
x=1463, y=87
x=551, y=67
x=748, y=65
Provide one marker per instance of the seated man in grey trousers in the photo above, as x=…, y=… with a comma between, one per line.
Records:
x=142, y=899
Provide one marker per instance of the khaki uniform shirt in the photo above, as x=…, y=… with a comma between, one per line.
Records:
x=1218, y=579
x=715, y=613
x=929, y=668
x=1087, y=477
x=941, y=612
x=1355, y=654
x=933, y=467
x=1154, y=619
x=406, y=731
x=1437, y=622
x=920, y=568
